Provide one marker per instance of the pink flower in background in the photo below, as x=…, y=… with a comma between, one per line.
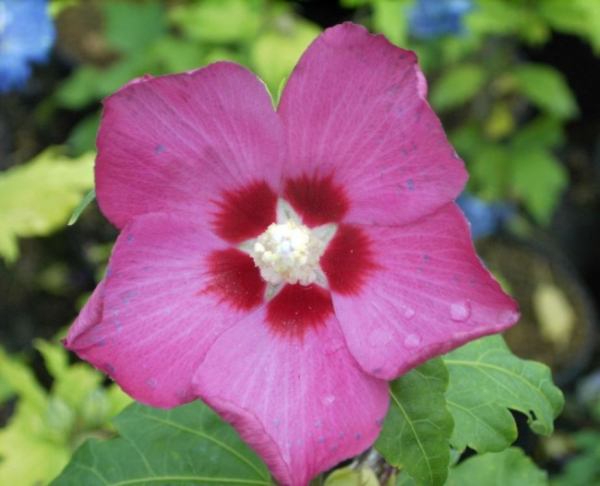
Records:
x=283, y=265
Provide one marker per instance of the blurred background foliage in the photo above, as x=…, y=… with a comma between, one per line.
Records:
x=514, y=82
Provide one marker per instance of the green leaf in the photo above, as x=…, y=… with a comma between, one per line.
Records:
x=31, y=453
x=547, y=89
x=185, y=445
x=508, y=18
x=89, y=197
x=496, y=17
x=418, y=426
x=542, y=132
x=467, y=139
x=80, y=88
x=27, y=438
x=486, y=380
x=538, y=178
x=82, y=138
x=43, y=427
x=354, y=3
x=131, y=26
x=565, y=16
x=89, y=84
x=22, y=381
x=489, y=168
x=584, y=468
x=72, y=383
x=389, y=18
x=592, y=15
x=456, y=86
x=218, y=21
x=275, y=52
x=507, y=468
x=37, y=198
x=176, y=55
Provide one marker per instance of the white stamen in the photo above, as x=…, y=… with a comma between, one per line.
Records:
x=288, y=252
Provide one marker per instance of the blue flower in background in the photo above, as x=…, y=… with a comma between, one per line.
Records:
x=485, y=218
x=432, y=18
x=26, y=35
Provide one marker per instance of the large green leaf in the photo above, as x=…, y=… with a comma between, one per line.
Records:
x=547, y=89
x=507, y=468
x=38, y=197
x=418, y=426
x=188, y=445
x=486, y=380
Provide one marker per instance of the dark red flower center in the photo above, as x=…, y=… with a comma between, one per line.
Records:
x=245, y=213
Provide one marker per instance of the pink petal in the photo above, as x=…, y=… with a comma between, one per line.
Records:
x=91, y=314
x=177, y=143
x=168, y=294
x=302, y=404
x=429, y=295
x=355, y=113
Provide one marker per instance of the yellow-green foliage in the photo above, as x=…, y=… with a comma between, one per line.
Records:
x=38, y=197
x=46, y=427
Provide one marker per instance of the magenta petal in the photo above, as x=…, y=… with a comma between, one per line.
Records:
x=302, y=405
x=159, y=309
x=91, y=314
x=355, y=112
x=430, y=295
x=175, y=143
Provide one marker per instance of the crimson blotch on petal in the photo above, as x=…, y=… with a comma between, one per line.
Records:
x=283, y=265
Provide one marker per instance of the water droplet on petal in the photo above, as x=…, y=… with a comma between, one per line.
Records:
x=328, y=400
x=409, y=313
x=412, y=341
x=379, y=337
x=151, y=382
x=460, y=311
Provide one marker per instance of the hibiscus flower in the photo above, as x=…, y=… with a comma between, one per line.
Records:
x=283, y=265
